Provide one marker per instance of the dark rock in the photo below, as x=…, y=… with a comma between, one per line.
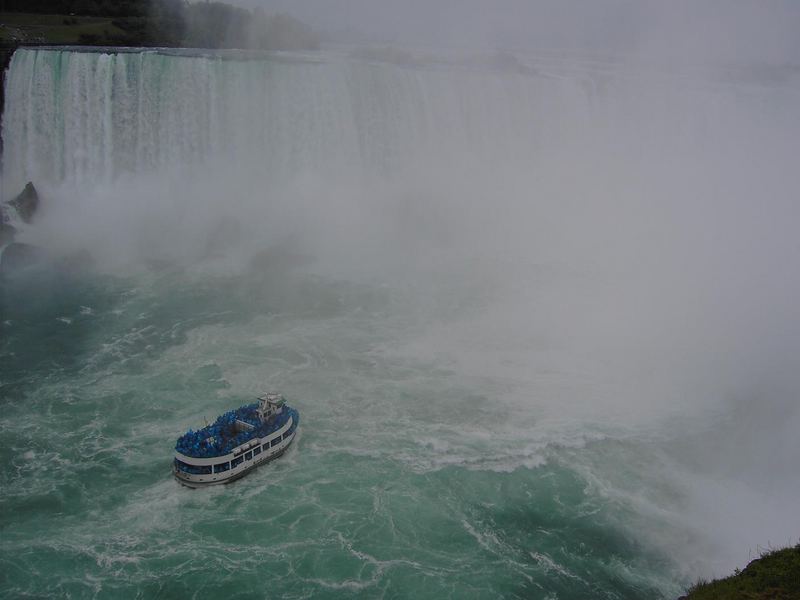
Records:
x=17, y=256
x=7, y=233
x=26, y=203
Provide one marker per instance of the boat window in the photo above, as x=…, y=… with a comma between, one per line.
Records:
x=248, y=456
x=256, y=450
x=287, y=434
x=265, y=446
x=237, y=461
x=276, y=441
x=222, y=467
x=192, y=469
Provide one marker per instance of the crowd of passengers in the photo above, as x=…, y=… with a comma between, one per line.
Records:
x=222, y=436
x=222, y=467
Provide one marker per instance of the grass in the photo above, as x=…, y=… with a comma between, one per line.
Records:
x=774, y=576
x=56, y=29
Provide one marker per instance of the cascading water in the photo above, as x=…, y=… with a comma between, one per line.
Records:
x=89, y=117
x=504, y=301
x=260, y=132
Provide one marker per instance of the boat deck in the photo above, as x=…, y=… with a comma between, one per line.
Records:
x=230, y=430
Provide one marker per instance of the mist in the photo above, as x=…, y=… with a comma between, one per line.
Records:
x=612, y=242
x=703, y=31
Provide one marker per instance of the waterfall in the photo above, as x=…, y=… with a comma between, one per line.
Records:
x=87, y=117
x=148, y=143
x=541, y=321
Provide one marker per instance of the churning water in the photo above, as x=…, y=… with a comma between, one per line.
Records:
x=539, y=321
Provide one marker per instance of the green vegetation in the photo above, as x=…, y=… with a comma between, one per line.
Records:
x=112, y=8
x=219, y=25
x=56, y=29
x=774, y=576
x=160, y=23
x=149, y=23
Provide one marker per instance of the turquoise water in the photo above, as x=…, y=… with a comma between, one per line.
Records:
x=540, y=325
x=405, y=479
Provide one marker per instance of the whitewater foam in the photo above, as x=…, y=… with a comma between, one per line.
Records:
x=491, y=293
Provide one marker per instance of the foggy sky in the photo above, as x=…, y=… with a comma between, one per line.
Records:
x=687, y=29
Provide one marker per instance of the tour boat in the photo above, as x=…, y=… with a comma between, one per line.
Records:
x=236, y=443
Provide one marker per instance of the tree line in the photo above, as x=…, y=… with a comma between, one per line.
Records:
x=177, y=23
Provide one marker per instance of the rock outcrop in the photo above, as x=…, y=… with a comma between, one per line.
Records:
x=14, y=254
x=24, y=206
x=27, y=203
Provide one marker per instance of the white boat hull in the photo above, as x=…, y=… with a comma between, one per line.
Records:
x=241, y=461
